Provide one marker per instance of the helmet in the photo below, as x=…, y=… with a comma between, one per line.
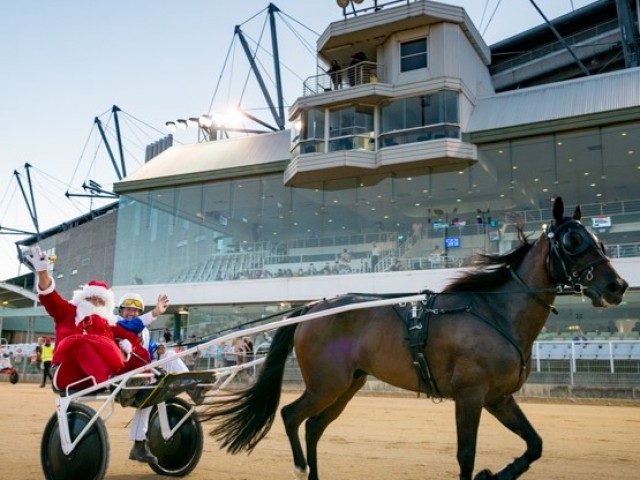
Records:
x=131, y=300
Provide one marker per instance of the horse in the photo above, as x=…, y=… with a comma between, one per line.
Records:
x=480, y=332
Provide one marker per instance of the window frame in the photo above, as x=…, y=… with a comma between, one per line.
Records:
x=407, y=59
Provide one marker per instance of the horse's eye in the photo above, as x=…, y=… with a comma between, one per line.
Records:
x=571, y=241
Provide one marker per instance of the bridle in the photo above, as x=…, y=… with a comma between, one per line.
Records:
x=567, y=263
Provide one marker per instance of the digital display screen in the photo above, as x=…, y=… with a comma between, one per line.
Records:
x=601, y=222
x=451, y=242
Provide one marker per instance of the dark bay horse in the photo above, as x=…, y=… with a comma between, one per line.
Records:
x=481, y=329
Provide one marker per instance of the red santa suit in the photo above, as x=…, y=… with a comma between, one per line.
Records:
x=85, y=350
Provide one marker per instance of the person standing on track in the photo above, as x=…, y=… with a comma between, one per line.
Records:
x=46, y=356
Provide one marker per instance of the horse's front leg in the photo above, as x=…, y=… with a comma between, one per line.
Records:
x=511, y=416
x=468, y=411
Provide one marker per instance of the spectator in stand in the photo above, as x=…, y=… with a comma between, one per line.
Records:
x=375, y=256
x=397, y=266
x=335, y=74
x=336, y=268
x=354, y=73
x=167, y=335
x=190, y=360
x=218, y=358
x=416, y=232
x=232, y=351
x=580, y=336
x=247, y=349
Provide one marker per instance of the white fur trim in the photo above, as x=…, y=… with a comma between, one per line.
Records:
x=48, y=290
x=86, y=308
x=94, y=291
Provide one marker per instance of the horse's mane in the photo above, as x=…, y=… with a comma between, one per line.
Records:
x=491, y=270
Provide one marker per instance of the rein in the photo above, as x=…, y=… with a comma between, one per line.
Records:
x=533, y=293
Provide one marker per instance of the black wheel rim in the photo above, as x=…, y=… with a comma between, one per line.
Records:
x=87, y=461
x=180, y=454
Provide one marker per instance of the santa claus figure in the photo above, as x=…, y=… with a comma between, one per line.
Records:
x=85, y=350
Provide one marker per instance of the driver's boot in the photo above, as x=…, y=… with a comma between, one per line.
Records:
x=141, y=453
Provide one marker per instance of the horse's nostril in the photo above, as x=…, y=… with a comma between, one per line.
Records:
x=619, y=285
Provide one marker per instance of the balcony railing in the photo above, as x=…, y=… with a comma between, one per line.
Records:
x=352, y=76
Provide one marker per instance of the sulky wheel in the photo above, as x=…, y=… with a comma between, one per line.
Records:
x=88, y=461
x=179, y=455
x=14, y=377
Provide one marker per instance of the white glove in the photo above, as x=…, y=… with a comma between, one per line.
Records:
x=39, y=261
x=125, y=346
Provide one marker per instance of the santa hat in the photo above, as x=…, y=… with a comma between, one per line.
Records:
x=95, y=288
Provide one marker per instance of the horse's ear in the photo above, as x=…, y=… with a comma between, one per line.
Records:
x=558, y=210
x=577, y=214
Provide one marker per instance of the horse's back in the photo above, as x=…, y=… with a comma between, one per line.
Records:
x=338, y=347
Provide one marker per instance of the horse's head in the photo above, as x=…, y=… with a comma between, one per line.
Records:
x=577, y=258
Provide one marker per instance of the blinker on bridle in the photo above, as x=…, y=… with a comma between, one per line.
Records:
x=569, y=242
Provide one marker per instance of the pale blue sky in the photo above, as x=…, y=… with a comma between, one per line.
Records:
x=66, y=62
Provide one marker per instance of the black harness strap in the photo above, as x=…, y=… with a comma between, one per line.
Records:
x=505, y=334
x=416, y=318
x=533, y=294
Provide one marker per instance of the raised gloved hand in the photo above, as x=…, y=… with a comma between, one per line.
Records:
x=37, y=260
x=125, y=346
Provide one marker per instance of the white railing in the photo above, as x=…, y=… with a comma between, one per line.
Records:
x=352, y=76
x=611, y=352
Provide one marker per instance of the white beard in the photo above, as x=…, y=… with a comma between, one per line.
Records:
x=86, y=308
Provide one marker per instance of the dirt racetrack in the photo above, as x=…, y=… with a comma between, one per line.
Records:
x=376, y=438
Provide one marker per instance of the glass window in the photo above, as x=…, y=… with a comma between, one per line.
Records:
x=417, y=119
x=413, y=55
x=352, y=127
x=307, y=132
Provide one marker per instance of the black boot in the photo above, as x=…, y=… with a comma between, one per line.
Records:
x=141, y=453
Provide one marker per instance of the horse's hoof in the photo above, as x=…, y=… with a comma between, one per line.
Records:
x=301, y=474
x=485, y=474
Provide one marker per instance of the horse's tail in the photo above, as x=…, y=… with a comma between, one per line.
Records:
x=244, y=418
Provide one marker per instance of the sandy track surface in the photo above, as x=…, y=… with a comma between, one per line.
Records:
x=376, y=438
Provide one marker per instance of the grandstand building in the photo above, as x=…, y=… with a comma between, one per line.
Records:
x=427, y=147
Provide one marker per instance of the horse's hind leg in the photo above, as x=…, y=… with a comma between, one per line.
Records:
x=292, y=416
x=316, y=425
x=511, y=416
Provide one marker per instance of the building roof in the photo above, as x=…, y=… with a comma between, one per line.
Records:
x=201, y=162
x=17, y=293
x=606, y=98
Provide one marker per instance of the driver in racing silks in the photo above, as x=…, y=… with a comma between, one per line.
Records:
x=129, y=331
